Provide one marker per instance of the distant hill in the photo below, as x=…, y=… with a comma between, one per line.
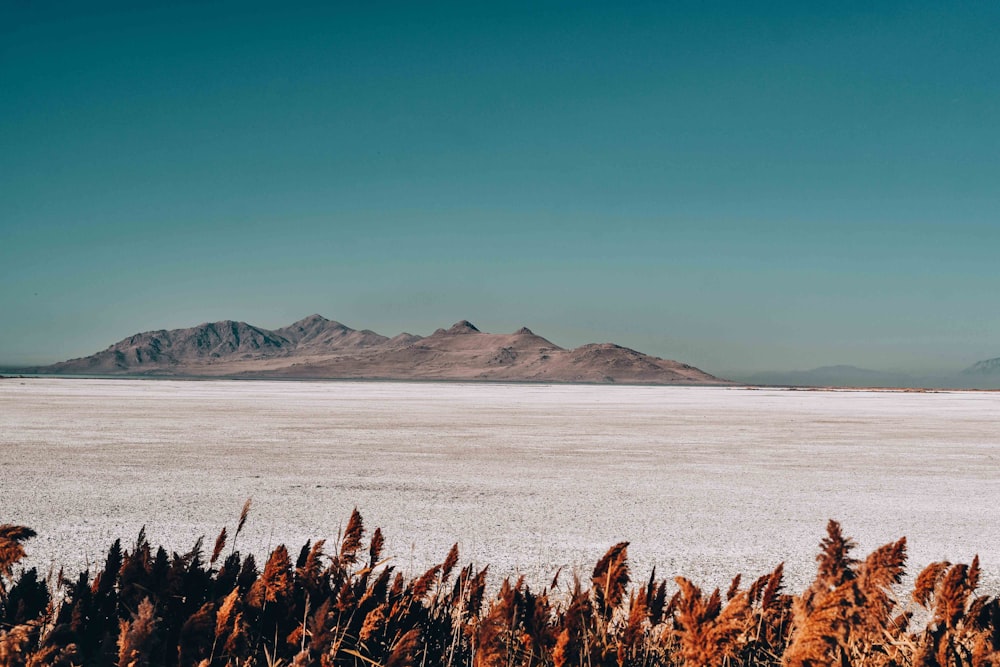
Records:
x=988, y=368
x=833, y=376
x=315, y=347
x=983, y=374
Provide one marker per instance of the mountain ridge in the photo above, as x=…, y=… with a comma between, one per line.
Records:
x=317, y=347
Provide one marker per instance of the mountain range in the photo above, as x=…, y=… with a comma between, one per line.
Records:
x=316, y=347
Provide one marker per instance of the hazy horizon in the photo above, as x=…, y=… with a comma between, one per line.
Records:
x=739, y=187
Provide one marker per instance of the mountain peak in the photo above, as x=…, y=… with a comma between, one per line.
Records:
x=463, y=327
x=525, y=331
x=315, y=323
x=315, y=318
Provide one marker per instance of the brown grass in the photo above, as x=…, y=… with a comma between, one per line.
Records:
x=146, y=607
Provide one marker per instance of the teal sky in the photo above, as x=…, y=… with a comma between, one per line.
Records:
x=741, y=186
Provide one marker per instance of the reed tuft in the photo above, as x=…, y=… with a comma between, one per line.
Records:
x=146, y=608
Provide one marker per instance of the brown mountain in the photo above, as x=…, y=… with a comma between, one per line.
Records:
x=316, y=347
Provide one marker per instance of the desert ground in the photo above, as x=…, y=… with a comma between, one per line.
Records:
x=703, y=481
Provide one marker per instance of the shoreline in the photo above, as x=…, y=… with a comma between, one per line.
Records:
x=15, y=375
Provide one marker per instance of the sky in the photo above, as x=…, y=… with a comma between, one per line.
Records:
x=741, y=186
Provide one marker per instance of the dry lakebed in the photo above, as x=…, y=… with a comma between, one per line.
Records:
x=703, y=481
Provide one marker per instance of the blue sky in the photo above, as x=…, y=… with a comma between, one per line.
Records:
x=741, y=186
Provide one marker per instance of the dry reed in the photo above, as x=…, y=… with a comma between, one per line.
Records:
x=146, y=607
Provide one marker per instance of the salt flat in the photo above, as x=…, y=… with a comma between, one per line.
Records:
x=704, y=482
